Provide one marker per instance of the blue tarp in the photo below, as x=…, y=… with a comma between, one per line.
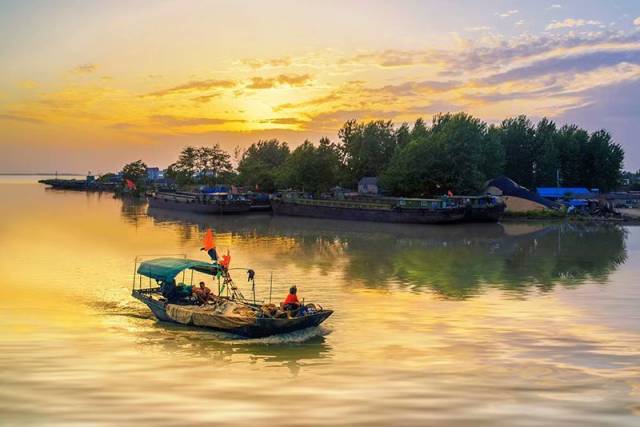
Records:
x=166, y=269
x=215, y=189
x=560, y=192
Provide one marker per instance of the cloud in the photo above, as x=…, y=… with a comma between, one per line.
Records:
x=28, y=84
x=20, y=118
x=170, y=120
x=478, y=29
x=121, y=126
x=261, y=63
x=571, y=23
x=205, y=98
x=84, y=69
x=195, y=85
x=285, y=121
x=519, y=23
x=293, y=80
x=335, y=119
x=555, y=6
x=573, y=63
x=508, y=13
x=636, y=21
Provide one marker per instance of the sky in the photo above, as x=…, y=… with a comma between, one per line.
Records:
x=89, y=86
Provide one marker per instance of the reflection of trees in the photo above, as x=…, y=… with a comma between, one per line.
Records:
x=561, y=254
x=133, y=210
x=454, y=261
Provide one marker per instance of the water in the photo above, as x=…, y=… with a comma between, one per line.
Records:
x=513, y=324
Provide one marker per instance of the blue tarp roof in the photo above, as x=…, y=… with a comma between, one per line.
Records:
x=166, y=269
x=560, y=192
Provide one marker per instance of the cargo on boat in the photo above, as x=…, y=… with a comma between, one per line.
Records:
x=214, y=203
x=226, y=310
x=416, y=211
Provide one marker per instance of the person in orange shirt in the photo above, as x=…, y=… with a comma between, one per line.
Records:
x=291, y=301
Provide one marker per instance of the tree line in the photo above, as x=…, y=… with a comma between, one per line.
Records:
x=456, y=152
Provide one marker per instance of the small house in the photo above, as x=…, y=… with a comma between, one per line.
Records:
x=368, y=185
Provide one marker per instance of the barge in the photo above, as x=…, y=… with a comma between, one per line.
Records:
x=215, y=203
x=412, y=211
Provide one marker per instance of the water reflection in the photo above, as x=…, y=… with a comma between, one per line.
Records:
x=455, y=262
x=430, y=323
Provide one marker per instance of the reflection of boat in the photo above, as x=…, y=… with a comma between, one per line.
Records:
x=481, y=208
x=416, y=211
x=215, y=203
x=231, y=313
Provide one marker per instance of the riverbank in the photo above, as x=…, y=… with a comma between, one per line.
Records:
x=624, y=218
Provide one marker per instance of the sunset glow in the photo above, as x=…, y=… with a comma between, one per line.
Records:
x=94, y=85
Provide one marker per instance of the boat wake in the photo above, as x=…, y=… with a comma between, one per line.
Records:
x=288, y=338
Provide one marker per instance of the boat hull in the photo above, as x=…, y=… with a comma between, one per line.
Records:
x=484, y=214
x=219, y=207
x=410, y=216
x=257, y=328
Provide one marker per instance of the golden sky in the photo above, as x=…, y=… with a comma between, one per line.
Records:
x=92, y=85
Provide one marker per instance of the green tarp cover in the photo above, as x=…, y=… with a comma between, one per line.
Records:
x=167, y=269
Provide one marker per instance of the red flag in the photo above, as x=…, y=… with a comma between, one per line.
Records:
x=209, y=241
x=226, y=260
x=449, y=193
x=130, y=184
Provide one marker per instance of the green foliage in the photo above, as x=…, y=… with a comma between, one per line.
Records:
x=451, y=155
x=458, y=152
x=602, y=161
x=310, y=168
x=260, y=164
x=202, y=165
x=366, y=149
x=135, y=171
x=518, y=138
x=106, y=177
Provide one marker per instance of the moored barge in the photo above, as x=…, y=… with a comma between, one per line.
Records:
x=416, y=211
x=215, y=203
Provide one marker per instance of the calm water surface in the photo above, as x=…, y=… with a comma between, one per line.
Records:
x=513, y=324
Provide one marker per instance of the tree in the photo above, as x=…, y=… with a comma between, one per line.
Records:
x=260, y=163
x=136, y=172
x=205, y=165
x=571, y=142
x=420, y=129
x=602, y=162
x=311, y=169
x=517, y=135
x=493, y=156
x=211, y=163
x=366, y=149
x=403, y=135
x=546, y=156
x=448, y=156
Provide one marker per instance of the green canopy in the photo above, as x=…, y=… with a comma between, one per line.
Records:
x=166, y=269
